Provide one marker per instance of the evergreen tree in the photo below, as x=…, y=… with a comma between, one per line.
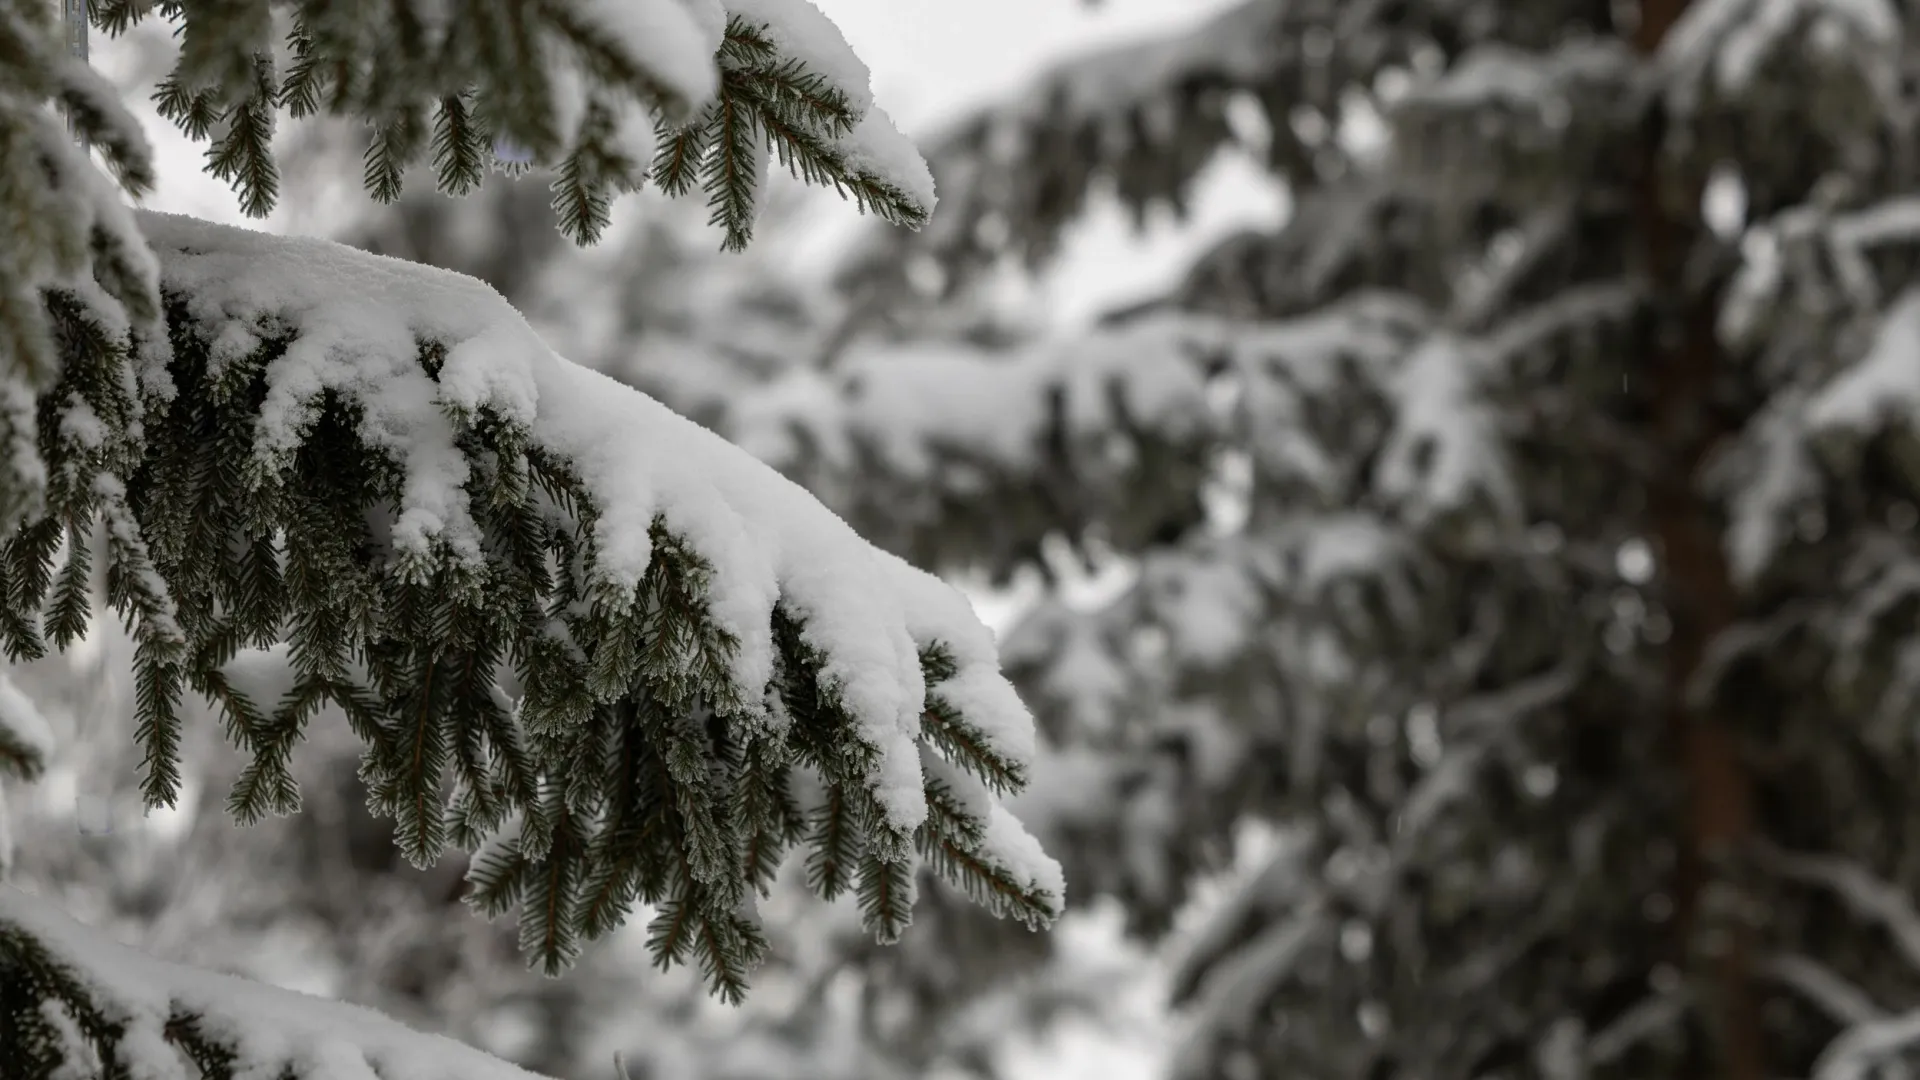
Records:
x=701, y=331
x=1524, y=529
x=323, y=900
x=573, y=632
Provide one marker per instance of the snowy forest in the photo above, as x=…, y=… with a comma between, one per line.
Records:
x=591, y=551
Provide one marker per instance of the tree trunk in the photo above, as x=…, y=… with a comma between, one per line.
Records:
x=1683, y=362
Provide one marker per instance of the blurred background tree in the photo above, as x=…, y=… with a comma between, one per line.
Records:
x=1472, y=619
x=1519, y=531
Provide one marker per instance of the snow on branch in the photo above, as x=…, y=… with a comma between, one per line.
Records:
x=1719, y=47
x=1841, y=1000
x=1445, y=449
x=1867, y=894
x=896, y=438
x=1287, y=879
x=608, y=94
x=140, y=1017
x=1103, y=427
x=988, y=406
x=587, y=615
x=1649, y=1017
x=26, y=740
x=1231, y=1000
x=1859, y=1050
x=66, y=226
x=1883, y=386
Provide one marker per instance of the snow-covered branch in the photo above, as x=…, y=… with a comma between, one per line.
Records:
x=1865, y=892
x=1826, y=988
x=140, y=1017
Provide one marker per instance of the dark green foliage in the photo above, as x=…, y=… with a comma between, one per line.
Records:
x=960, y=741
x=802, y=116
x=35, y=987
x=486, y=80
x=592, y=739
x=631, y=769
x=56, y=233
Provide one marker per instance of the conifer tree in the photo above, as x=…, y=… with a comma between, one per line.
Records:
x=576, y=634
x=1524, y=529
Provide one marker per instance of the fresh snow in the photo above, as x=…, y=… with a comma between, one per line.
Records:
x=1517, y=78
x=1004, y=842
x=357, y=318
x=986, y=404
x=664, y=37
x=802, y=32
x=710, y=15
x=21, y=723
x=877, y=147
x=906, y=405
x=1020, y=855
x=1885, y=383
x=1237, y=45
x=1210, y=604
x=1773, y=472
x=271, y=1028
x=1445, y=448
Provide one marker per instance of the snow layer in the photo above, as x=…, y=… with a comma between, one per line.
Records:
x=21, y=724
x=1237, y=45
x=1772, y=476
x=878, y=148
x=1885, y=384
x=938, y=612
x=357, y=320
x=326, y=1040
x=1021, y=856
x=666, y=38
x=988, y=405
x=1004, y=842
x=1445, y=448
x=800, y=31
x=1498, y=73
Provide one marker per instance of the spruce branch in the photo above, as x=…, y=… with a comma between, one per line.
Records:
x=459, y=146
x=243, y=153
x=732, y=174
x=588, y=710
x=681, y=150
